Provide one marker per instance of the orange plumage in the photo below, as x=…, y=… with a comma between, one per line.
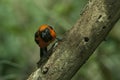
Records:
x=45, y=35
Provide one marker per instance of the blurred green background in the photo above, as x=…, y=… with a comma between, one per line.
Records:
x=19, y=19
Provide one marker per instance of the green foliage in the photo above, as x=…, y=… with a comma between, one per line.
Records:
x=19, y=19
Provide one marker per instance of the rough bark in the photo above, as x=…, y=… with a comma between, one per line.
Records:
x=80, y=41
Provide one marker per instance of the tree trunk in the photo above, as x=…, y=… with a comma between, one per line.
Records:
x=80, y=41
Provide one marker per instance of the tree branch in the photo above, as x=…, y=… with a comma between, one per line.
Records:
x=81, y=41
